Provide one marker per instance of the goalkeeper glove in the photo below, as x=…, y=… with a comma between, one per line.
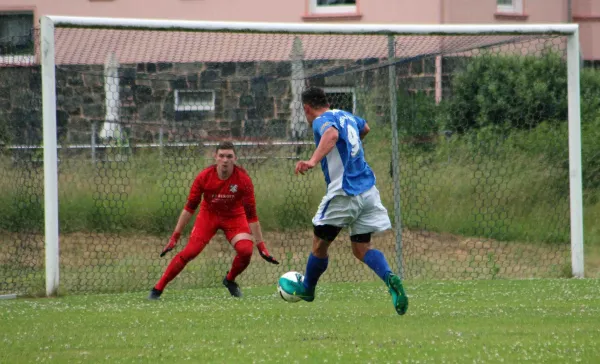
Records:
x=264, y=253
x=172, y=242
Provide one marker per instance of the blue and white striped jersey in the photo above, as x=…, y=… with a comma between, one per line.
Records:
x=345, y=168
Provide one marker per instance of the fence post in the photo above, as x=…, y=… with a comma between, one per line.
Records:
x=395, y=154
x=298, y=124
x=160, y=143
x=93, y=142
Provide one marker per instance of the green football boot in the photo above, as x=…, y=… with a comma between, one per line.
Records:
x=399, y=298
x=297, y=288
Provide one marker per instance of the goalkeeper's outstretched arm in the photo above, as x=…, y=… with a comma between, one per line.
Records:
x=256, y=231
x=260, y=243
x=188, y=211
x=184, y=219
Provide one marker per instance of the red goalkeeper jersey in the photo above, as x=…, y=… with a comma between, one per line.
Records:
x=225, y=198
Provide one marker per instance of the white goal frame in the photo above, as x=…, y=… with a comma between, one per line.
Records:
x=48, y=24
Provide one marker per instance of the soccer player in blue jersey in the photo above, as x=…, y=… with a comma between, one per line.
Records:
x=352, y=199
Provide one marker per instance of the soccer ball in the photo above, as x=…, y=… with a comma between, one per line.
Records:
x=289, y=276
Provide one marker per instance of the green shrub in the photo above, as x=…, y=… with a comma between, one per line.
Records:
x=496, y=96
x=417, y=114
x=508, y=91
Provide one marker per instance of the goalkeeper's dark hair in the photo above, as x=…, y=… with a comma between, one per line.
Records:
x=225, y=145
x=315, y=97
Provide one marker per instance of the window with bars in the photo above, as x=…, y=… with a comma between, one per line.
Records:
x=16, y=33
x=332, y=6
x=509, y=6
x=194, y=100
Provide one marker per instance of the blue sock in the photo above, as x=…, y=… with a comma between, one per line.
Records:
x=376, y=261
x=314, y=268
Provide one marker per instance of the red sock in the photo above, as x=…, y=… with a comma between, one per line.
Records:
x=174, y=268
x=191, y=251
x=242, y=259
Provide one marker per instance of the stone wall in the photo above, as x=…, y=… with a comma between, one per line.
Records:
x=79, y=101
x=252, y=99
x=20, y=105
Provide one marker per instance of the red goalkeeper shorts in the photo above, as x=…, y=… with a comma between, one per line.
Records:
x=207, y=224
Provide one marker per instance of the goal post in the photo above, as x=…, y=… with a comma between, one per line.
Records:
x=575, y=175
x=50, y=24
x=51, y=237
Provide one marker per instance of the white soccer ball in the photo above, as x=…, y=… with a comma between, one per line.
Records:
x=289, y=277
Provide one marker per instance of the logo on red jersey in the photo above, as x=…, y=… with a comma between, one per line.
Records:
x=233, y=188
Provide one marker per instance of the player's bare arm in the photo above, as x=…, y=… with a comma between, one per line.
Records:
x=365, y=131
x=327, y=143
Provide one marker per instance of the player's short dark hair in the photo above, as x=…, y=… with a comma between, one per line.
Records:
x=225, y=145
x=315, y=97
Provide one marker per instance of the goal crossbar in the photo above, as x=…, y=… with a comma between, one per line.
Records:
x=323, y=28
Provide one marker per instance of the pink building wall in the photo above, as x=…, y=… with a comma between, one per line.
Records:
x=585, y=12
x=234, y=10
x=478, y=11
x=402, y=11
x=381, y=11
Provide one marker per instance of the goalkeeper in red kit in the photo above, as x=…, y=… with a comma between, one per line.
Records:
x=228, y=203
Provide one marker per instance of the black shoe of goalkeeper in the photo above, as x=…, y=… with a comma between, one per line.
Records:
x=233, y=287
x=155, y=294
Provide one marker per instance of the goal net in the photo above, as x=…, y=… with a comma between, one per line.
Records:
x=469, y=144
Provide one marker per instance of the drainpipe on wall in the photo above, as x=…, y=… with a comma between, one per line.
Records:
x=438, y=62
x=570, y=20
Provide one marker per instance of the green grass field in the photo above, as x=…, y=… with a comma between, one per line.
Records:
x=509, y=321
